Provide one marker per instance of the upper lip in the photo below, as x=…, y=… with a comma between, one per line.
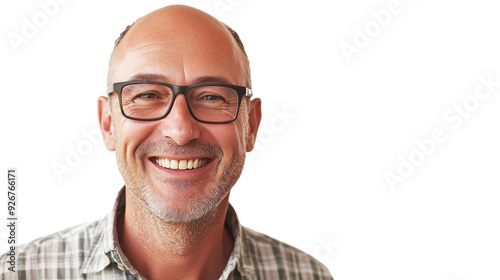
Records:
x=181, y=157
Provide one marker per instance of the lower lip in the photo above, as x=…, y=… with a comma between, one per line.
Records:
x=184, y=173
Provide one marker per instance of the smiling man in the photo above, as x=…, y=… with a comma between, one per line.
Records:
x=180, y=119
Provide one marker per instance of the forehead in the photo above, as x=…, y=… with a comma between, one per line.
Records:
x=182, y=46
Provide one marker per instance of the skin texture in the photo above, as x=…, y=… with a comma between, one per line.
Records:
x=173, y=223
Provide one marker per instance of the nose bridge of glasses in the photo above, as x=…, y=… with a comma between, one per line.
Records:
x=178, y=91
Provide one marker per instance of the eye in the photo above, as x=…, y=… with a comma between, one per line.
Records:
x=146, y=95
x=211, y=97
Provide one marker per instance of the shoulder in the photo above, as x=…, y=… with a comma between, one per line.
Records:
x=272, y=258
x=47, y=255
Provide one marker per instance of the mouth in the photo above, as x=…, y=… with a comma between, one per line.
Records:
x=181, y=164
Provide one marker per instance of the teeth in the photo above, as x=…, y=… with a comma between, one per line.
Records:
x=181, y=164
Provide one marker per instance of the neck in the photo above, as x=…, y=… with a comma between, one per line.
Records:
x=163, y=250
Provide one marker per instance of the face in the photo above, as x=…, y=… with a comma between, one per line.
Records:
x=179, y=168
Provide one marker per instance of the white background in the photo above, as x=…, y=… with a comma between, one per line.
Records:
x=333, y=125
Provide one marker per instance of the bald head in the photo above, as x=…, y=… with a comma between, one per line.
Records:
x=179, y=35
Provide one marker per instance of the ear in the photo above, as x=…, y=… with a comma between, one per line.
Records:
x=105, y=122
x=254, y=118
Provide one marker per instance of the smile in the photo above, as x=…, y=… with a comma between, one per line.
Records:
x=182, y=164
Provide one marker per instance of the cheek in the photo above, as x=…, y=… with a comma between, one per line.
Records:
x=130, y=134
x=231, y=137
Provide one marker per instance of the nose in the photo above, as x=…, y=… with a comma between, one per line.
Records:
x=179, y=125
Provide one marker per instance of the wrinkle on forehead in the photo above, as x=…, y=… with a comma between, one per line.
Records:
x=176, y=66
x=183, y=31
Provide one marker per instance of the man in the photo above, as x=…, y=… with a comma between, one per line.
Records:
x=180, y=120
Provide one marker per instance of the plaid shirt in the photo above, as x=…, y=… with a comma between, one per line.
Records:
x=90, y=251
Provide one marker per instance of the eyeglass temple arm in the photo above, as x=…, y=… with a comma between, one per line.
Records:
x=111, y=88
x=249, y=92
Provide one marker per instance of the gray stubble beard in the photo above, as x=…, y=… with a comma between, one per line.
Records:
x=193, y=210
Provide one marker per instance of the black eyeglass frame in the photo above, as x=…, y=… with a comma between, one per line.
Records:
x=240, y=90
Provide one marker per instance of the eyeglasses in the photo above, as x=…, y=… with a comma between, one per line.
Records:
x=207, y=103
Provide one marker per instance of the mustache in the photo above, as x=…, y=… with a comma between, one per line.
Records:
x=169, y=147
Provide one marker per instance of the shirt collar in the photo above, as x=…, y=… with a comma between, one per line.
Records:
x=240, y=258
x=106, y=249
x=100, y=251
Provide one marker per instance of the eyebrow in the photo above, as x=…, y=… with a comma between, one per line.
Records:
x=211, y=79
x=149, y=77
x=165, y=79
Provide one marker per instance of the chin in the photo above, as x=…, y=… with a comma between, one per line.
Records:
x=184, y=206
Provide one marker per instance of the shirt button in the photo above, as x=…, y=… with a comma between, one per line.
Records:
x=120, y=267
